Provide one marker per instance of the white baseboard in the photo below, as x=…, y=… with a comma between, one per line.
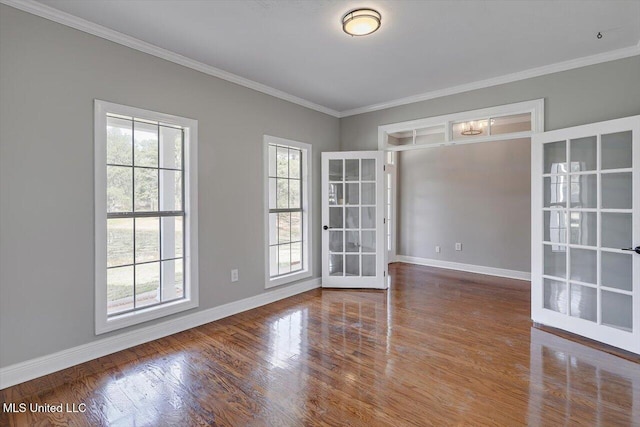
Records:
x=471, y=268
x=34, y=368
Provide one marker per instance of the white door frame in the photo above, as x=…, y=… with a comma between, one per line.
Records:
x=379, y=281
x=391, y=172
x=609, y=335
x=446, y=121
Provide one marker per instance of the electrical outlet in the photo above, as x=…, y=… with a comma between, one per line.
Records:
x=234, y=275
x=437, y=249
x=458, y=246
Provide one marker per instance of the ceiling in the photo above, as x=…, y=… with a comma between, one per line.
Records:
x=298, y=47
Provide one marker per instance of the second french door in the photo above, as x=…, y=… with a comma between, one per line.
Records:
x=586, y=231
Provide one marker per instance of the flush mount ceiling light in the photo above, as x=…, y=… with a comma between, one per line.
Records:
x=361, y=22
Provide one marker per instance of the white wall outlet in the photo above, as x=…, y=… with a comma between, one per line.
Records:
x=234, y=275
x=437, y=249
x=458, y=246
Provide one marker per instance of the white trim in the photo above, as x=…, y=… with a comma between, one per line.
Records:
x=34, y=368
x=471, y=268
x=307, y=208
x=89, y=27
x=534, y=107
x=55, y=15
x=507, y=78
x=102, y=322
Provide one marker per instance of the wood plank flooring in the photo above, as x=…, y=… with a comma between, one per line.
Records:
x=440, y=348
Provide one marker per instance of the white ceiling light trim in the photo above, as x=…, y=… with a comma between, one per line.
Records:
x=72, y=21
x=507, y=78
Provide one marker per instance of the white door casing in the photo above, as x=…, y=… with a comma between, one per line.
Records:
x=585, y=216
x=353, y=236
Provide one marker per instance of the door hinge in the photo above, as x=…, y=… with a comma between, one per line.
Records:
x=385, y=273
x=384, y=220
x=384, y=168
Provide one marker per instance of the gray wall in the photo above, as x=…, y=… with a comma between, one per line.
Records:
x=49, y=77
x=479, y=194
x=584, y=95
x=473, y=194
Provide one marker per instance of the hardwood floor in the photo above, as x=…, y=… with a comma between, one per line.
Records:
x=440, y=348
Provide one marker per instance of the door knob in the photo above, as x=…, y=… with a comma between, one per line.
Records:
x=636, y=249
x=326, y=227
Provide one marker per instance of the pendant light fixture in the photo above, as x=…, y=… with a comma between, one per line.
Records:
x=361, y=22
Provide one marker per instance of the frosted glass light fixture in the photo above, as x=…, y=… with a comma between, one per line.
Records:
x=361, y=22
x=472, y=128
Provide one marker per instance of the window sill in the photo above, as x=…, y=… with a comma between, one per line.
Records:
x=116, y=322
x=283, y=280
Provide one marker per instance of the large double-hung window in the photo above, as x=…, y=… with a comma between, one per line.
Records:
x=146, y=215
x=287, y=167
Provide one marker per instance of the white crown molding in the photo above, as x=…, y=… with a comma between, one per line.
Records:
x=34, y=368
x=507, y=78
x=72, y=21
x=470, y=268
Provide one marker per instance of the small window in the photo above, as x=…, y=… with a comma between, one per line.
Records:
x=288, y=213
x=145, y=215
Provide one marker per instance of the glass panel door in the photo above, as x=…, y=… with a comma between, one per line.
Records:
x=586, y=225
x=353, y=223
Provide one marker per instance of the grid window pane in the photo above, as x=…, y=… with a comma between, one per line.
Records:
x=296, y=226
x=170, y=190
x=273, y=261
x=172, y=236
x=368, y=170
x=352, y=267
x=284, y=259
x=172, y=279
x=119, y=189
x=336, y=265
x=294, y=193
x=170, y=148
x=147, y=239
x=335, y=241
x=119, y=141
x=335, y=170
x=145, y=143
x=146, y=190
x=282, y=162
x=147, y=284
x=273, y=229
x=119, y=241
x=296, y=256
x=282, y=193
x=352, y=170
x=352, y=191
x=273, y=194
x=294, y=163
x=119, y=289
x=284, y=227
x=272, y=160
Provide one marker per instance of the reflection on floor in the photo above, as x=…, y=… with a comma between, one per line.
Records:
x=440, y=347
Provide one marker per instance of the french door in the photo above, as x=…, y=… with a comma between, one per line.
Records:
x=353, y=236
x=586, y=231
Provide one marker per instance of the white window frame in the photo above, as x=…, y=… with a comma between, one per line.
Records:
x=307, y=215
x=103, y=322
